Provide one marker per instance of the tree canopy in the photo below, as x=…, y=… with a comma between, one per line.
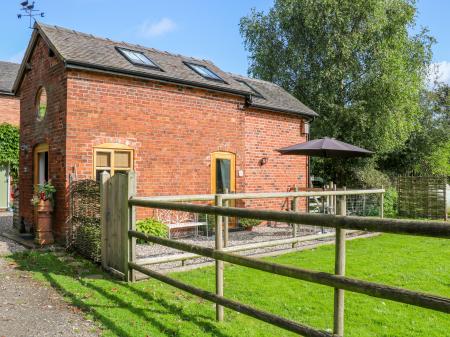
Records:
x=354, y=62
x=427, y=151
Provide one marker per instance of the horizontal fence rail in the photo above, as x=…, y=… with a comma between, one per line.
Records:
x=119, y=204
x=408, y=227
x=237, y=248
x=264, y=195
x=236, y=306
x=364, y=287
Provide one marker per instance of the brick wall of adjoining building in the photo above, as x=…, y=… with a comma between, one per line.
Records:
x=9, y=110
x=172, y=129
x=48, y=72
x=10, y=114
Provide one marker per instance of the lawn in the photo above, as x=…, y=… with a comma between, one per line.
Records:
x=150, y=308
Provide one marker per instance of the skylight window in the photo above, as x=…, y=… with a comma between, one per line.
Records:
x=253, y=90
x=137, y=58
x=204, y=72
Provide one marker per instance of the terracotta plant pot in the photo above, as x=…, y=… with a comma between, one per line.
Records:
x=44, y=235
x=44, y=206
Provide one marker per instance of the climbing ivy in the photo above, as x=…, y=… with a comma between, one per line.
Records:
x=9, y=147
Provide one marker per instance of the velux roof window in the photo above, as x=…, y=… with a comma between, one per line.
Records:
x=255, y=92
x=204, y=71
x=137, y=58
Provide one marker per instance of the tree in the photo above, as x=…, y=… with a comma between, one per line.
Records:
x=352, y=61
x=427, y=150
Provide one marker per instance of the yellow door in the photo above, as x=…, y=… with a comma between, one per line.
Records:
x=223, y=172
x=40, y=170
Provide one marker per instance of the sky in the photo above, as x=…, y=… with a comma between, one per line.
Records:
x=204, y=29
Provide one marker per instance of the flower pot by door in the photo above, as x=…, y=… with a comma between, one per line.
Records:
x=44, y=234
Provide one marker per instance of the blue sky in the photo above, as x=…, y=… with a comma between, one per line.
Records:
x=198, y=28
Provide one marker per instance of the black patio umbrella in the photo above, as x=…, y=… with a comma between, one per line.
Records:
x=326, y=147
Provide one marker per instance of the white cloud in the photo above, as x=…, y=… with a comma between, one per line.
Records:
x=440, y=72
x=153, y=29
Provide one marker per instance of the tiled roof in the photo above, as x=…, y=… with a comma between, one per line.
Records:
x=80, y=50
x=8, y=74
x=273, y=97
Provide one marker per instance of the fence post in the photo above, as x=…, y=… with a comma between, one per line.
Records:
x=339, y=269
x=104, y=215
x=123, y=188
x=334, y=199
x=382, y=204
x=294, y=209
x=225, y=222
x=131, y=256
x=446, y=210
x=219, y=264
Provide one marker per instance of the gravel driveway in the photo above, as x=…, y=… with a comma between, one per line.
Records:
x=30, y=309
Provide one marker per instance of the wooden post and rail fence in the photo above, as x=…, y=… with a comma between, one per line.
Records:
x=119, y=202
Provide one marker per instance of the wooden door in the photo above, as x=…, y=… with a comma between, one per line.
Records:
x=223, y=177
x=223, y=172
x=40, y=170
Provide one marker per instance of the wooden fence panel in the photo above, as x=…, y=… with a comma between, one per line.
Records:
x=422, y=197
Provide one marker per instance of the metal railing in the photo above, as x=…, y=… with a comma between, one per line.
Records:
x=126, y=208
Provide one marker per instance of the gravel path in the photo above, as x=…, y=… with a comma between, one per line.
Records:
x=30, y=309
x=7, y=246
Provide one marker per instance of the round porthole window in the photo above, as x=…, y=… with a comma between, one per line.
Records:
x=41, y=104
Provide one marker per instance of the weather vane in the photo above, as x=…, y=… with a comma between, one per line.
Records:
x=29, y=10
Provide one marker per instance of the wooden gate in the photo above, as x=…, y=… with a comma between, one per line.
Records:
x=114, y=194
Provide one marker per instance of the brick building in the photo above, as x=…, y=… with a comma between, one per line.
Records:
x=90, y=104
x=9, y=113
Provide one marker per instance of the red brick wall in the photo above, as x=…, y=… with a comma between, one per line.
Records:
x=48, y=72
x=9, y=113
x=9, y=109
x=172, y=129
x=264, y=133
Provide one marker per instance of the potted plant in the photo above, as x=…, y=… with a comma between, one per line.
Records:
x=43, y=201
x=248, y=224
x=43, y=197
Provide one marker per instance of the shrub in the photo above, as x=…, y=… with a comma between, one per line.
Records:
x=247, y=223
x=151, y=226
x=390, y=203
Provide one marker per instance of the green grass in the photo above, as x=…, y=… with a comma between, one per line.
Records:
x=151, y=308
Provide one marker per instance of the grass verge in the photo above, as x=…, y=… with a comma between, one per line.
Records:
x=150, y=308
